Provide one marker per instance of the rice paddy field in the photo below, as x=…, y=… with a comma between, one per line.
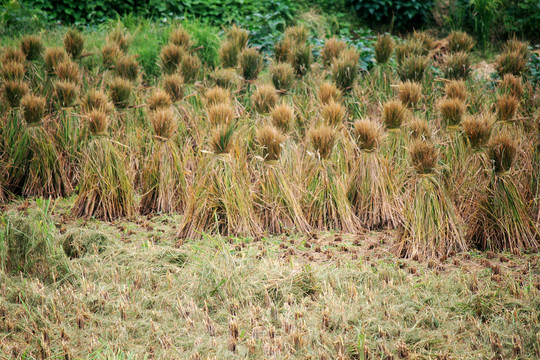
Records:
x=282, y=205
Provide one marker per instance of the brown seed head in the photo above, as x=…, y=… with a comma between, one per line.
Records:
x=173, y=84
x=329, y=92
x=456, y=89
x=506, y=107
x=217, y=95
x=332, y=49
x=171, y=57
x=452, y=111
x=282, y=75
x=409, y=92
x=53, y=57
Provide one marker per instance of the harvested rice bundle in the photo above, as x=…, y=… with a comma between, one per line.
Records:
x=174, y=86
x=276, y=198
x=282, y=117
x=325, y=202
x=455, y=89
x=12, y=71
x=221, y=201
x=217, y=95
x=432, y=226
x=345, y=70
x=264, y=98
x=96, y=100
x=46, y=174
x=74, y=43
x=329, y=92
x=333, y=114
x=163, y=178
x=503, y=221
x=190, y=68
x=507, y=106
x=54, y=56
x=159, y=99
x=251, y=63
x=14, y=91
x=384, y=46
x=410, y=93
x=105, y=188
x=394, y=115
x=170, y=58
x=370, y=188
x=32, y=46
x=283, y=76
x=331, y=50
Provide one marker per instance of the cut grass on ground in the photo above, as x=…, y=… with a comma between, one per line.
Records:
x=134, y=294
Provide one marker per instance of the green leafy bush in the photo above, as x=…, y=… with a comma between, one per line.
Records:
x=403, y=14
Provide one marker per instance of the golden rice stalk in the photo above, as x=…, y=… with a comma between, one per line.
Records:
x=301, y=58
x=456, y=89
x=282, y=117
x=511, y=62
x=32, y=46
x=74, y=43
x=370, y=188
x=217, y=95
x=506, y=107
x=173, y=84
x=282, y=75
x=329, y=92
x=457, y=65
x=54, y=56
x=180, y=37
x=170, y=58
x=159, y=99
x=33, y=108
x=332, y=49
x=264, y=98
x=384, y=46
x=105, y=187
x=452, y=111
x=409, y=93
x=333, y=114
x=220, y=114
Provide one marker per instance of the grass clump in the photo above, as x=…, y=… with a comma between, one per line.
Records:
x=226, y=78
x=14, y=91
x=329, y=92
x=511, y=85
x=331, y=50
x=110, y=53
x=65, y=92
x=180, y=37
x=333, y=114
x=12, y=71
x=127, y=67
x=506, y=106
x=511, y=62
x=68, y=71
x=33, y=108
x=220, y=114
x=345, y=70
x=217, y=95
x=13, y=54
x=190, y=68
x=413, y=68
x=477, y=128
x=95, y=100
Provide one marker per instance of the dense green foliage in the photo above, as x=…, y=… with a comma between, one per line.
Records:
x=402, y=14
